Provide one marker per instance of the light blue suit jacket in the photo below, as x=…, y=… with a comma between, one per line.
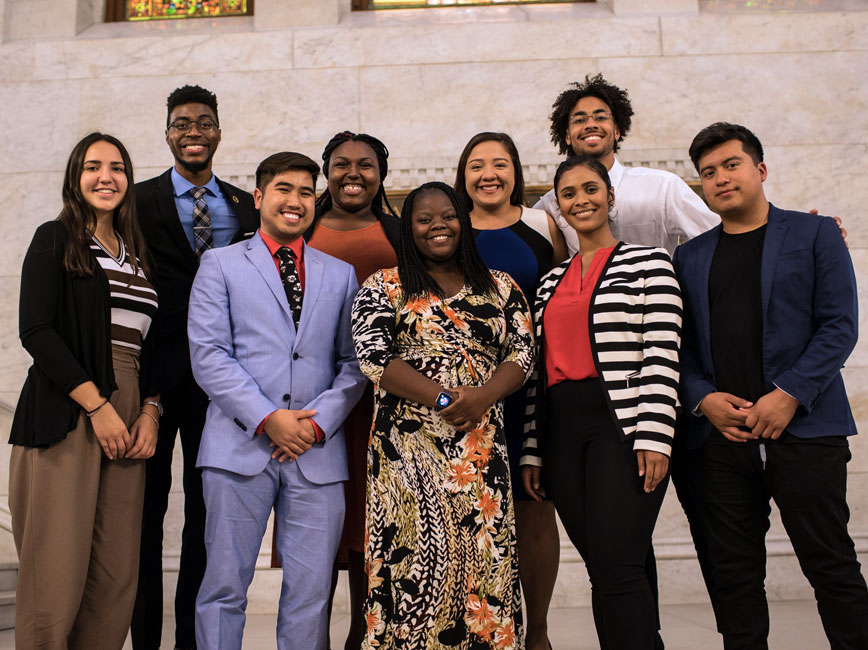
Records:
x=250, y=360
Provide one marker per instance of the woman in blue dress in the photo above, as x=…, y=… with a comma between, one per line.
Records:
x=525, y=243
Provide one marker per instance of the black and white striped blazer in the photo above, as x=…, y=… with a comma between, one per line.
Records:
x=635, y=331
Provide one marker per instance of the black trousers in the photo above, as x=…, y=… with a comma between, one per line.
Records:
x=808, y=481
x=184, y=411
x=593, y=476
x=679, y=471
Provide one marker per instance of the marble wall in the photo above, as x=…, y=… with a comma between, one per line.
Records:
x=424, y=81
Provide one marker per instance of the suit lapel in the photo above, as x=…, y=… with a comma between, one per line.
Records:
x=257, y=253
x=165, y=199
x=703, y=270
x=247, y=224
x=774, y=239
x=313, y=279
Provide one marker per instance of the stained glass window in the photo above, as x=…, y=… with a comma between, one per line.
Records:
x=398, y=4
x=161, y=9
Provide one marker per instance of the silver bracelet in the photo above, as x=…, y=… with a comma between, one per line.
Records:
x=157, y=422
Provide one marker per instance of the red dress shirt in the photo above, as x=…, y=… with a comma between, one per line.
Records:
x=568, y=354
x=297, y=247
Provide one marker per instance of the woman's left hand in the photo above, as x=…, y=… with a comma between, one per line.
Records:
x=468, y=407
x=144, y=435
x=653, y=466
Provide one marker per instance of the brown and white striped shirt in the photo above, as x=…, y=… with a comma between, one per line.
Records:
x=132, y=299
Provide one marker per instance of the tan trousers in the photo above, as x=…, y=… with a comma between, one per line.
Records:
x=76, y=520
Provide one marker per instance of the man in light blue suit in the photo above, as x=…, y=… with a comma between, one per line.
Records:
x=270, y=343
x=770, y=317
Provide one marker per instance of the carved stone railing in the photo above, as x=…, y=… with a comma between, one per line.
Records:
x=406, y=173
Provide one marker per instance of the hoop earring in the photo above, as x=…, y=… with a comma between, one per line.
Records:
x=613, y=212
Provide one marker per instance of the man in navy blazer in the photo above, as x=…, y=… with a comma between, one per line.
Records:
x=270, y=344
x=770, y=317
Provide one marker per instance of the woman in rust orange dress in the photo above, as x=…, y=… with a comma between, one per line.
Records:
x=355, y=223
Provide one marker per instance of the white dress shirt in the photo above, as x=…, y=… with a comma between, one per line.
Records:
x=655, y=208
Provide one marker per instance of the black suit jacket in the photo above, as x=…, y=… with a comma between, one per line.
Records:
x=175, y=265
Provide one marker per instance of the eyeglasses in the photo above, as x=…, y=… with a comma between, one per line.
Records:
x=204, y=126
x=597, y=117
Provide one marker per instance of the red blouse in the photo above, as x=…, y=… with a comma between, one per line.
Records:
x=565, y=323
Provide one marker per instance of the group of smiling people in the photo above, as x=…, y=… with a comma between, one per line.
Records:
x=519, y=361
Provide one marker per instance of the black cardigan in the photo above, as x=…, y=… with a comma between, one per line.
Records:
x=64, y=323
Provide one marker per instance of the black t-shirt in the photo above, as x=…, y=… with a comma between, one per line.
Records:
x=735, y=310
x=735, y=306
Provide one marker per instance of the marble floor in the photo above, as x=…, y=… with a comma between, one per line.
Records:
x=795, y=625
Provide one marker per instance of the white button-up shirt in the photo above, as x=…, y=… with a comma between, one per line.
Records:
x=655, y=208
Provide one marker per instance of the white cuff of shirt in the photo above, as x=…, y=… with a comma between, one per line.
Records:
x=785, y=392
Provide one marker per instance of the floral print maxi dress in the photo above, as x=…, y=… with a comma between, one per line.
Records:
x=440, y=535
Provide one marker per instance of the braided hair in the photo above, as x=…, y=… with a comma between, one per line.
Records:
x=380, y=206
x=415, y=278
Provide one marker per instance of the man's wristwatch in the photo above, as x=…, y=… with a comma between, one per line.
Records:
x=154, y=403
x=444, y=399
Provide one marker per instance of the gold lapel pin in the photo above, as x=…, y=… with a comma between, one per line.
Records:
x=234, y=199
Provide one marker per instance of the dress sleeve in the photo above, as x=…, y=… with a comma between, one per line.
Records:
x=518, y=345
x=373, y=319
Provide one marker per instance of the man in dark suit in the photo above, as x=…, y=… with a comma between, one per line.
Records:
x=183, y=212
x=770, y=317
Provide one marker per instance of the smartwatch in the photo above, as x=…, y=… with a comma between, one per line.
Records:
x=154, y=403
x=444, y=399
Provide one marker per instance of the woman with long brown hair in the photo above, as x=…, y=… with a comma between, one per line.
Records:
x=81, y=431
x=525, y=243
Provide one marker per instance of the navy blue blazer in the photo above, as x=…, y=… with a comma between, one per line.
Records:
x=810, y=321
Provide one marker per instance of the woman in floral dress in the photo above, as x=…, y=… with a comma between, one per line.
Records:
x=445, y=340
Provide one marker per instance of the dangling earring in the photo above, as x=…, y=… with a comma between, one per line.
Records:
x=613, y=212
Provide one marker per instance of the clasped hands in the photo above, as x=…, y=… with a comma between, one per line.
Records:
x=136, y=443
x=468, y=408
x=291, y=433
x=768, y=418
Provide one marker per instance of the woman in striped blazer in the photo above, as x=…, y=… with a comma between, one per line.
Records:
x=603, y=400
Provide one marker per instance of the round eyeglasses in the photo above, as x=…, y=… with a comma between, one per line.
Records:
x=183, y=126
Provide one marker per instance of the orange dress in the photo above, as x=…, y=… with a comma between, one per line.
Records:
x=368, y=250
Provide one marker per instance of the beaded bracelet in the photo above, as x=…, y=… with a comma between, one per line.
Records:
x=144, y=412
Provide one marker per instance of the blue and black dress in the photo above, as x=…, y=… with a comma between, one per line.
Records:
x=524, y=250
